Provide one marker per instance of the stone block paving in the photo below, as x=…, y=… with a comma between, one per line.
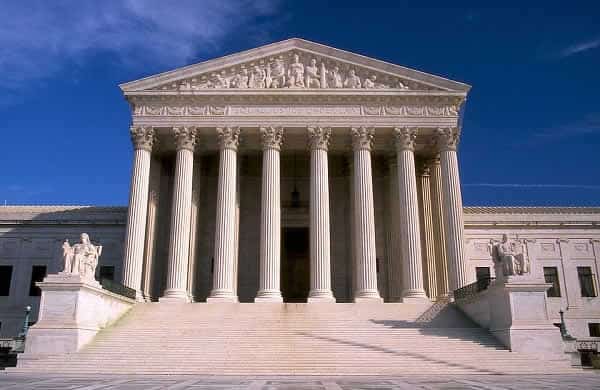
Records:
x=585, y=380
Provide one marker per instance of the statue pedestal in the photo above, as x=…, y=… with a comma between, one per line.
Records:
x=72, y=310
x=518, y=317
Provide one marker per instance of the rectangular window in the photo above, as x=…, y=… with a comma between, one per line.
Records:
x=551, y=276
x=594, y=328
x=586, y=281
x=38, y=273
x=5, y=278
x=107, y=272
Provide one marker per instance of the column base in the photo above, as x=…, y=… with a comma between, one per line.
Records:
x=414, y=296
x=221, y=296
x=141, y=297
x=371, y=296
x=420, y=300
x=321, y=296
x=175, y=296
x=268, y=296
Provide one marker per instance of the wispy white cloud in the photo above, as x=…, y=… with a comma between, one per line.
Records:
x=580, y=47
x=589, y=125
x=39, y=37
x=534, y=186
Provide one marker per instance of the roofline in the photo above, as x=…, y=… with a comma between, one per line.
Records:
x=291, y=43
x=466, y=209
x=530, y=210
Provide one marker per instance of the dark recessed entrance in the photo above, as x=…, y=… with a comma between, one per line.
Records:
x=295, y=264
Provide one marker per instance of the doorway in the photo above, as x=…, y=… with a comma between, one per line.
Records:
x=295, y=264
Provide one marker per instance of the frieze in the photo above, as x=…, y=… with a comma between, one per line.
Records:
x=295, y=70
x=300, y=110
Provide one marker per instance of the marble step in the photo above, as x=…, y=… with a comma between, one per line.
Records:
x=295, y=339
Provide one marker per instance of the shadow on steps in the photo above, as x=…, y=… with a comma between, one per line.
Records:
x=404, y=354
x=444, y=320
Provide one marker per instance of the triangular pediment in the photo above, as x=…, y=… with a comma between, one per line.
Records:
x=293, y=64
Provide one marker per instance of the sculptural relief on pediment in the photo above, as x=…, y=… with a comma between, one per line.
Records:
x=294, y=69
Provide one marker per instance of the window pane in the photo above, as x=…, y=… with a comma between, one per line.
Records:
x=586, y=281
x=594, y=329
x=5, y=278
x=551, y=276
x=38, y=273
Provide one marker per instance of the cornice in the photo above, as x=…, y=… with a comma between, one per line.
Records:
x=532, y=217
x=312, y=92
x=62, y=214
x=530, y=210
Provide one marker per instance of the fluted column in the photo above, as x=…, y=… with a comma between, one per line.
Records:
x=395, y=262
x=148, y=268
x=135, y=233
x=427, y=236
x=320, y=258
x=225, y=237
x=176, y=287
x=412, y=280
x=270, y=221
x=364, y=219
x=438, y=228
x=447, y=140
x=193, y=241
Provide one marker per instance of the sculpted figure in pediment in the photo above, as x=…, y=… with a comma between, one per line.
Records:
x=335, y=78
x=352, y=81
x=401, y=85
x=370, y=82
x=312, y=78
x=219, y=81
x=276, y=74
x=240, y=80
x=296, y=73
x=258, y=78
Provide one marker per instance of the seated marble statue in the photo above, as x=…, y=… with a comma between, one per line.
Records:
x=509, y=257
x=82, y=258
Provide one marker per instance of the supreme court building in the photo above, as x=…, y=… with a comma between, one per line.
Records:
x=295, y=172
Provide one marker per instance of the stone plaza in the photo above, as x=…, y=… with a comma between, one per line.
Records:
x=480, y=382
x=297, y=209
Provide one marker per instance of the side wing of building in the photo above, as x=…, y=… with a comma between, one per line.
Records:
x=563, y=245
x=31, y=238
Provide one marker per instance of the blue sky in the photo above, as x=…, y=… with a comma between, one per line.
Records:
x=531, y=134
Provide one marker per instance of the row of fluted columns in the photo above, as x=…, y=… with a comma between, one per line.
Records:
x=406, y=222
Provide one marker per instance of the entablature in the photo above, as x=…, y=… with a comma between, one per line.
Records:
x=441, y=110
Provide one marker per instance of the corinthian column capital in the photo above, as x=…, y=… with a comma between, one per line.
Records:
x=142, y=137
x=271, y=137
x=405, y=138
x=185, y=137
x=447, y=138
x=228, y=137
x=362, y=137
x=318, y=137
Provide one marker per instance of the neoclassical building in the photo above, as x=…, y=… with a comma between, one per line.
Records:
x=295, y=172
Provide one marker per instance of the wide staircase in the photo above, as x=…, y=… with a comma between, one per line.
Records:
x=293, y=339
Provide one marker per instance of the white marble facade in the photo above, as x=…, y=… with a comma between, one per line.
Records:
x=265, y=176
x=297, y=172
